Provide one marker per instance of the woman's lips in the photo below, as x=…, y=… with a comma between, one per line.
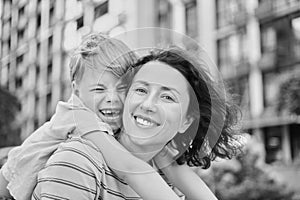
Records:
x=145, y=122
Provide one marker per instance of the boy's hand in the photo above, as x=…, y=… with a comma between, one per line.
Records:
x=166, y=156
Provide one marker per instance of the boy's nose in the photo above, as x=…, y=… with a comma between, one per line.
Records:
x=112, y=97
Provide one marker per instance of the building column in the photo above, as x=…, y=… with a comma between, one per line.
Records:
x=207, y=27
x=255, y=75
x=178, y=16
x=286, y=145
x=259, y=146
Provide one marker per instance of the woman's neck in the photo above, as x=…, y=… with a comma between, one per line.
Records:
x=143, y=152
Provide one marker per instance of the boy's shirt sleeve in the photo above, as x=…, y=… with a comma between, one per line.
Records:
x=85, y=120
x=25, y=161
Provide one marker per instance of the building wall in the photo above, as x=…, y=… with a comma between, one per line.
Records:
x=257, y=52
x=36, y=38
x=251, y=41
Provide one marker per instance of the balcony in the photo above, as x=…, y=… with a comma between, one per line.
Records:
x=267, y=61
x=240, y=18
x=271, y=9
x=275, y=59
x=235, y=69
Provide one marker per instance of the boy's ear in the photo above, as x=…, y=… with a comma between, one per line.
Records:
x=75, y=88
x=186, y=124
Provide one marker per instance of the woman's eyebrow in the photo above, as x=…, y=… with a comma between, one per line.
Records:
x=169, y=89
x=164, y=88
x=142, y=82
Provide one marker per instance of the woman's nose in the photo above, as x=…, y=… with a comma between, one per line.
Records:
x=149, y=103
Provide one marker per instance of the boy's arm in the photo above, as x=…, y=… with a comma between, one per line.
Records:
x=3, y=184
x=138, y=174
x=182, y=176
x=188, y=182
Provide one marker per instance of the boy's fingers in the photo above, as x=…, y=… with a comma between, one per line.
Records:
x=172, y=149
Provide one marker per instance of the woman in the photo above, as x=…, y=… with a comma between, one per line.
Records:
x=171, y=98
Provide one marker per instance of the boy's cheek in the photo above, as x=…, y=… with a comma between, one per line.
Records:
x=122, y=96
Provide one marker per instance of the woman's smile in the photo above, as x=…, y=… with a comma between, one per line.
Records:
x=145, y=122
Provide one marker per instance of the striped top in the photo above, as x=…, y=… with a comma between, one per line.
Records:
x=25, y=161
x=77, y=170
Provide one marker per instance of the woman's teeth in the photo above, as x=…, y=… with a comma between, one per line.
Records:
x=144, y=122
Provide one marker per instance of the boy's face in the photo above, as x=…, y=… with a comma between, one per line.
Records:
x=103, y=92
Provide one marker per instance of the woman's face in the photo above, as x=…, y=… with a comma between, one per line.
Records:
x=156, y=105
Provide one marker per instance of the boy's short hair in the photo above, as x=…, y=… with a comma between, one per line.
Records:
x=99, y=50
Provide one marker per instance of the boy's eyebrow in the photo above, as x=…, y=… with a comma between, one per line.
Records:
x=98, y=84
x=162, y=87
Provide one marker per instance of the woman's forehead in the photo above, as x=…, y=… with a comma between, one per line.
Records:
x=160, y=73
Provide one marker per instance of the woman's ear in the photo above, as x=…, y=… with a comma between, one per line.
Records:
x=75, y=88
x=186, y=124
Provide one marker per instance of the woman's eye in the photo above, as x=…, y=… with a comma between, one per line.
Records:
x=140, y=90
x=168, y=98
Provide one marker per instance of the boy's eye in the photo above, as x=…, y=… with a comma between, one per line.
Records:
x=99, y=89
x=122, y=87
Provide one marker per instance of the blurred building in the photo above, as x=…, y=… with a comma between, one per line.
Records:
x=255, y=43
x=36, y=37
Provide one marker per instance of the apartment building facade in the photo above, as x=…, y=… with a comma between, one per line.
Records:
x=258, y=51
x=255, y=44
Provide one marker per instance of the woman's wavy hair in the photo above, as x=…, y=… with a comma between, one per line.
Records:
x=199, y=148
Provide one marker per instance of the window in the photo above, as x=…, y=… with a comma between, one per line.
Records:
x=296, y=33
x=19, y=60
x=281, y=39
x=7, y=6
x=79, y=22
x=164, y=16
x=38, y=21
x=21, y=12
x=273, y=144
x=268, y=38
x=164, y=20
x=18, y=82
x=101, y=10
x=232, y=52
x=240, y=88
x=48, y=106
x=49, y=74
x=228, y=11
x=191, y=19
x=21, y=34
x=50, y=44
x=295, y=140
x=52, y=16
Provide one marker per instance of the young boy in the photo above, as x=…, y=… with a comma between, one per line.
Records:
x=96, y=68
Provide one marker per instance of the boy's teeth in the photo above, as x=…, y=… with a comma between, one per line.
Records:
x=143, y=122
x=110, y=112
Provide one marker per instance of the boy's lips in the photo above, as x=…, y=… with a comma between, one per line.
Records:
x=110, y=113
x=145, y=122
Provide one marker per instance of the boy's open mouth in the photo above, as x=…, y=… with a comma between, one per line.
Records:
x=110, y=113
